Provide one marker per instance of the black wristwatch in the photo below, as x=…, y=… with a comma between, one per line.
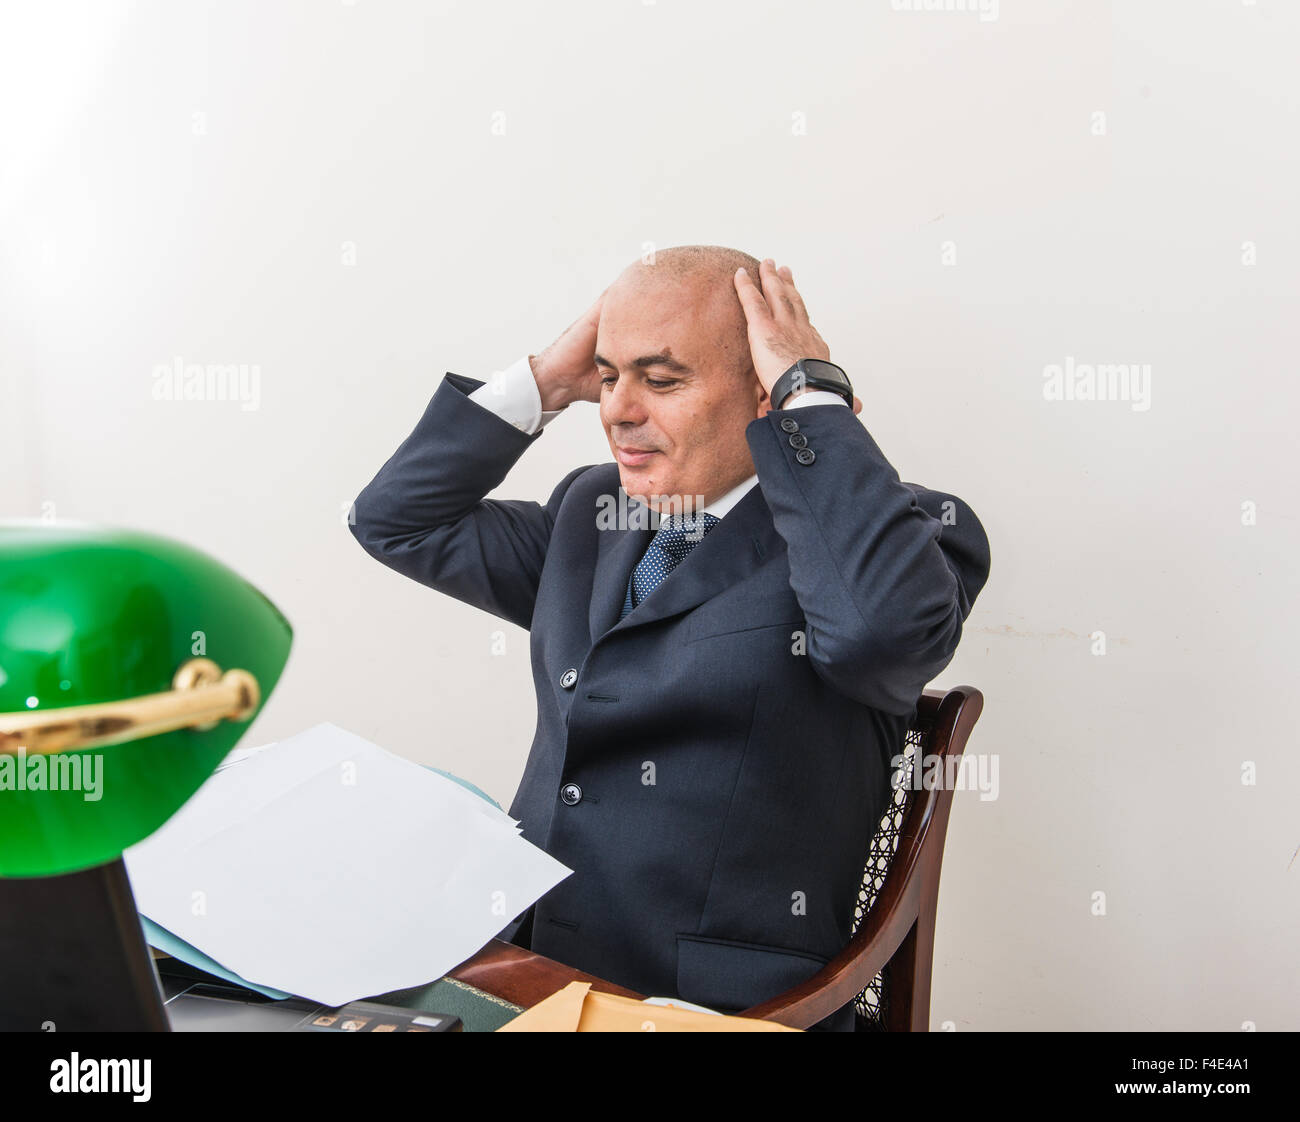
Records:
x=815, y=374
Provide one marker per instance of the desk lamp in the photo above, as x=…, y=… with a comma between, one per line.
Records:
x=130, y=665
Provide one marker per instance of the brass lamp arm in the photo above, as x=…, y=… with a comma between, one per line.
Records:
x=200, y=697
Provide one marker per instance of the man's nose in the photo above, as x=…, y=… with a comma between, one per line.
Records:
x=623, y=404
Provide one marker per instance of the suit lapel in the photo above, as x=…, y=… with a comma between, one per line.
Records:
x=617, y=552
x=731, y=551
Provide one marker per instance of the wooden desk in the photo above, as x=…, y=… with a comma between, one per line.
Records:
x=525, y=978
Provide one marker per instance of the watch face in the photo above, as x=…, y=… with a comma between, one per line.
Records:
x=812, y=373
x=828, y=371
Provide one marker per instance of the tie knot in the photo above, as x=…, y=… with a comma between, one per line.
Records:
x=679, y=533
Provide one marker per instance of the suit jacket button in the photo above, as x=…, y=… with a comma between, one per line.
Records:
x=568, y=678
x=789, y=424
x=571, y=793
x=798, y=441
x=805, y=455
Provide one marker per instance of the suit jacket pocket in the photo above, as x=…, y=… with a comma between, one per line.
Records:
x=729, y=976
x=713, y=620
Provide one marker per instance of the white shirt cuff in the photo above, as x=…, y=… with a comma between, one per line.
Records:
x=512, y=395
x=814, y=397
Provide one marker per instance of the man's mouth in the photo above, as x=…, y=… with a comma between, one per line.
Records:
x=635, y=457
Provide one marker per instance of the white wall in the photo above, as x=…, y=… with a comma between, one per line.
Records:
x=181, y=179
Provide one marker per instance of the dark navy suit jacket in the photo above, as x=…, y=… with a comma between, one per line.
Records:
x=712, y=767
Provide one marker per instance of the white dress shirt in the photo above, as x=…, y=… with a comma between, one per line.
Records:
x=513, y=396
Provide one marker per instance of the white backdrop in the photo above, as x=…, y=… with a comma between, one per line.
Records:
x=349, y=199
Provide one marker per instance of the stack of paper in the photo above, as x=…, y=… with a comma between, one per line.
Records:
x=325, y=867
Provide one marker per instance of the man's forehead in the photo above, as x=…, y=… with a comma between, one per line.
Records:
x=642, y=336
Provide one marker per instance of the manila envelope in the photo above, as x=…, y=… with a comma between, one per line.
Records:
x=578, y=1008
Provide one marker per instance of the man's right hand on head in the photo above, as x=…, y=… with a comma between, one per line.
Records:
x=566, y=371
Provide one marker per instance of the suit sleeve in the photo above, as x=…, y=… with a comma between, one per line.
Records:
x=424, y=514
x=886, y=572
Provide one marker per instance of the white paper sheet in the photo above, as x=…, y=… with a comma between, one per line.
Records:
x=329, y=868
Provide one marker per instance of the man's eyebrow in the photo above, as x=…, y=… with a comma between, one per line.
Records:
x=665, y=359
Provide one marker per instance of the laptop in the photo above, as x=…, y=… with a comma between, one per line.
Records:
x=196, y=1002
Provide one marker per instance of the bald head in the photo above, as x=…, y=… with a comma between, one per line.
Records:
x=704, y=265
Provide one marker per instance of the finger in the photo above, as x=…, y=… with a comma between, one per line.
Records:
x=589, y=319
x=775, y=290
x=792, y=292
x=751, y=299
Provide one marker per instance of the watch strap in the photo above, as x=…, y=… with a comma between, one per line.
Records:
x=804, y=374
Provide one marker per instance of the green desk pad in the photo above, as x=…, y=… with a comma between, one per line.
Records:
x=478, y=1011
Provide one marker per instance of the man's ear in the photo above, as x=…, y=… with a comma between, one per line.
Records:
x=764, y=403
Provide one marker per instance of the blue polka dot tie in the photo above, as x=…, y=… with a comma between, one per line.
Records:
x=677, y=536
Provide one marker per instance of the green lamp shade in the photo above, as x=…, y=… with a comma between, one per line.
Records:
x=93, y=614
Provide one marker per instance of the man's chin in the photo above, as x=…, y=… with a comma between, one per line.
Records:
x=658, y=494
x=638, y=487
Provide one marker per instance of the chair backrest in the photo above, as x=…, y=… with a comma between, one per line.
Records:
x=885, y=969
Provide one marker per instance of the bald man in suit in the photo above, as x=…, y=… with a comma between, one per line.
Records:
x=731, y=624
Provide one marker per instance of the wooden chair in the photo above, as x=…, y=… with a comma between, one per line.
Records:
x=885, y=969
